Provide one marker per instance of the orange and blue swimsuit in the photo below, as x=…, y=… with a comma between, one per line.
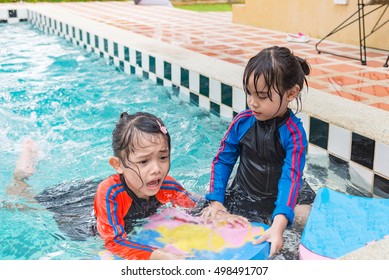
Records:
x=117, y=208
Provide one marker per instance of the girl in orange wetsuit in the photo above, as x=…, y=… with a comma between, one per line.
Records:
x=141, y=146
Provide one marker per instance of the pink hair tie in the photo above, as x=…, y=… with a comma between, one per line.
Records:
x=162, y=128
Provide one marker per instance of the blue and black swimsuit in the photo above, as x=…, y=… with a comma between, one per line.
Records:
x=269, y=176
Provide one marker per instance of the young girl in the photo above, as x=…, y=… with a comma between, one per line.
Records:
x=141, y=146
x=270, y=142
x=141, y=159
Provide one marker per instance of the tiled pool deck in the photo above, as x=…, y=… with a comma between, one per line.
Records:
x=217, y=47
x=202, y=55
x=213, y=34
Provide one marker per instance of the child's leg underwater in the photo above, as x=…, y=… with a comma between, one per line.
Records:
x=25, y=168
x=301, y=213
x=304, y=205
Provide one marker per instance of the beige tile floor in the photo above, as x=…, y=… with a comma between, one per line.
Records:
x=214, y=34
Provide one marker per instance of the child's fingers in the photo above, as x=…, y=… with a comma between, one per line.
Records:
x=244, y=222
x=238, y=221
x=260, y=240
x=208, y=215
x=273, y=251
x=275, y=248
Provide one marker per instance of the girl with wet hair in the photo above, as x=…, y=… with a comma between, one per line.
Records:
x=281, y=71
x=270, y=143
x=141, y=147
x=131, y=128
x=141, y=159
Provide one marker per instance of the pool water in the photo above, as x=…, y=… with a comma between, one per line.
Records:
x=68, y=101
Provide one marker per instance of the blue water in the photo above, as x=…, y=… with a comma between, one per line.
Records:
x=68, y=101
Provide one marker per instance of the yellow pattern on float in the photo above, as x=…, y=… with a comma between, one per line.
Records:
x=182, y=237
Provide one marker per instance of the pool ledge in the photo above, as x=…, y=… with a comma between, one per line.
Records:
x=362, y=119
x=351, y=131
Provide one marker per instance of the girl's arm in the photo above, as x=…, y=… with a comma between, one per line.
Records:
x=111, y=204
x=222, y=166
x=227, y=155
x=295, y=143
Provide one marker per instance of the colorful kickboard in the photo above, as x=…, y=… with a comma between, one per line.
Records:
x=180, y=233
x=341, y=223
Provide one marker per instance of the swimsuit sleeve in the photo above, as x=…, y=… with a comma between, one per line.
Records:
x=227, y=155
x=294, y=140
x=174, y=192
x=111, y=205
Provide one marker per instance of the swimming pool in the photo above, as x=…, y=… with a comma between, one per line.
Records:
x=350, y=133
x=68, y=101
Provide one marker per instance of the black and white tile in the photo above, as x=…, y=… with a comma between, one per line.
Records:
x=368, y=159
x=13, y=15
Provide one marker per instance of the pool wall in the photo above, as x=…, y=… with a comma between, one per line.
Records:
x=10, y=14
x=349, y=132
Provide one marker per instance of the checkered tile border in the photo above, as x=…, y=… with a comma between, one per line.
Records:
x=369, y=158
x=13, y=15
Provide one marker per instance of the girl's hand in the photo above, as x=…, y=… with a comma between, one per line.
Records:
x=274, y=234
x=210, y=212
x=217, y=214
x=274, y=237
x=234, y=220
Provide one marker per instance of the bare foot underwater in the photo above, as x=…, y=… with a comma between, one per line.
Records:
x=24, y=169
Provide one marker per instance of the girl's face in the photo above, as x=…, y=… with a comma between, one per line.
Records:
x=260, y=104
x=148, y=166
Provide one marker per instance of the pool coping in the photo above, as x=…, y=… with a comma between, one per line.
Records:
x=216, y=85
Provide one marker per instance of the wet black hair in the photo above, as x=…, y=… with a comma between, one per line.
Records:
x=281, y=69
x=131, y=128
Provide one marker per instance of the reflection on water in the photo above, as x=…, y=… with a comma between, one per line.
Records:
x=327, y=171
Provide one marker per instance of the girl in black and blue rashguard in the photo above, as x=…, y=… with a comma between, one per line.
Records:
x=270, y=143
